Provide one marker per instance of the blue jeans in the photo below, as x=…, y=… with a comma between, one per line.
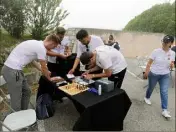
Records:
x=164, y=85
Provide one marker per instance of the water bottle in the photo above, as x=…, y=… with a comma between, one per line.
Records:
x=99, y=90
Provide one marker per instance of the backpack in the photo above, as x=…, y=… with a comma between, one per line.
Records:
x=44, y=107
x=116, y=45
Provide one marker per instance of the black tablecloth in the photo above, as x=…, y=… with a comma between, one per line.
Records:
x=105, y=112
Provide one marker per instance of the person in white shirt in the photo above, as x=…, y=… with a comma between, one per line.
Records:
x=23, y=54
x=61, y=51
x=110, y=60
x=86, y=43
x=158, y=69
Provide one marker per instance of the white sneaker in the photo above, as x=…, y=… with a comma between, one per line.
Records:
x=165, y=113
x=147, y=101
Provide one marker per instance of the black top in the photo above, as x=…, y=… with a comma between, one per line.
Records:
x=115, y=45
x=174, y=48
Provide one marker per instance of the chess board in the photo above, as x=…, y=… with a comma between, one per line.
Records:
x=73, y=88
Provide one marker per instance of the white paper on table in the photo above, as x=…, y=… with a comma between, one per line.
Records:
x=59, y=83
x=70, y=76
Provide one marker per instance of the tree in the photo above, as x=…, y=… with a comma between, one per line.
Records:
x=12, y=13
x=44, y=16
x=158, y=19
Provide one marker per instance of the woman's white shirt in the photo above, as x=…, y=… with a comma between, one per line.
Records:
x=161, y=61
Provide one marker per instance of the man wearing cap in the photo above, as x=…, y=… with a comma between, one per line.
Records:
x=86, y=43
x=59, y=51
x=110, y=60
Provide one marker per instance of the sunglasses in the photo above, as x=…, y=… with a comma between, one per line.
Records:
x=87, y=48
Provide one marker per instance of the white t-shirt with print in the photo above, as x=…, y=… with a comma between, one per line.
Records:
x=161, y=61
x=24, y=53
x=110, y=58
x=95, y=42
x=59, y=49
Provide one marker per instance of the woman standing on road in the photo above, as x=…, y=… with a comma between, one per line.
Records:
x=158, y=69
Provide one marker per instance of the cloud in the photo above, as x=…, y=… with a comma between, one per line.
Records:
x=105, y=14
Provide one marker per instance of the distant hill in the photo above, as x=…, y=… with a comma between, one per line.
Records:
x=158, y=19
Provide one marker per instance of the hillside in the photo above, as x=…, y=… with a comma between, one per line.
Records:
x=158, y=19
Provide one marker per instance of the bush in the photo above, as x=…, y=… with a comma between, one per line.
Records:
x=158, y=19
x=13, y=16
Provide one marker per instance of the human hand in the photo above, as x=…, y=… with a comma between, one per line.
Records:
x=49, y=73
x=71, y=71
x=88, y=76
x=85, y=73
x=171, y=65
x=64, y=57
x=145, y=76
x=56, y=79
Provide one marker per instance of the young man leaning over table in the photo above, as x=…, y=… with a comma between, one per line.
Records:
x=107, y=58
x=12, y=71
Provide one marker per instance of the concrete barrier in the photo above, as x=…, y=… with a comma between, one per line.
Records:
x=132, y=43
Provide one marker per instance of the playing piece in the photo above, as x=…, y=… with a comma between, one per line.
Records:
x=73, y=88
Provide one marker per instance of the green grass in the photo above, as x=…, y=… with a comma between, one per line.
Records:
x=27, y=69
x=7, y=41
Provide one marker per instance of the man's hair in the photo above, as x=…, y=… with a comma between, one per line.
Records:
x=60, y=30
x=54, y=38
x=167, y=39
x=85, y=57
x=111, y=36
x=81, y=34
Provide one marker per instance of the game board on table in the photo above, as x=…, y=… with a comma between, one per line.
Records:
x=74, y=88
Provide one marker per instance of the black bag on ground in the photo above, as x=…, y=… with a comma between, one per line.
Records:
x=46, y=86
x=44, y=107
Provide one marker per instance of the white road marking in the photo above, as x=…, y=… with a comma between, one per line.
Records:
x=135, y=75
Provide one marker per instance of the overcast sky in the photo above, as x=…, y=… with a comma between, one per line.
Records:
x=104, y=14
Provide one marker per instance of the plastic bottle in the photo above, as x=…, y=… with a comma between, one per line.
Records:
x=99, y=90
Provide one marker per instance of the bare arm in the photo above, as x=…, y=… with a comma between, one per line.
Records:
x=51, y=53
x=44, y=69
x=96, y=68
x=106, y=73
x=77, y=60
x=172, y=65
x=148, y=66
x=36, y=65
